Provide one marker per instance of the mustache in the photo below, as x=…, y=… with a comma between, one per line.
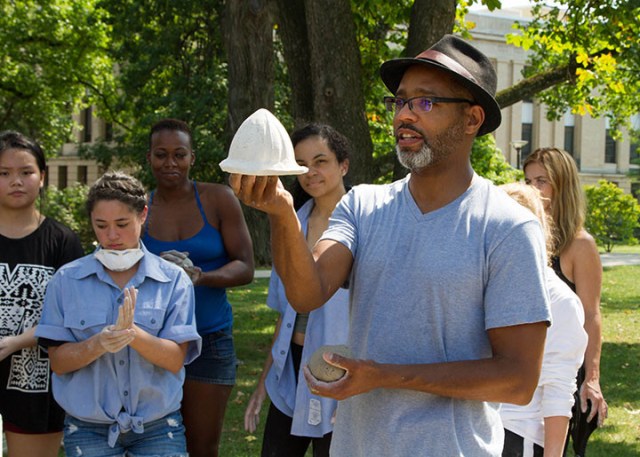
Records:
x=408, y=127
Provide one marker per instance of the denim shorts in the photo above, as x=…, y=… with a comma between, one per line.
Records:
x=217, y=361
x=161, y=438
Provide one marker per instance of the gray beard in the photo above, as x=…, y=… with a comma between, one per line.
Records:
x=433, y=152
x=415, y=160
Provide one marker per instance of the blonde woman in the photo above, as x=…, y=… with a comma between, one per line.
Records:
x=575, y=260
x=540, y=427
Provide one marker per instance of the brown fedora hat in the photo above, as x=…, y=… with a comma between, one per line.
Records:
x=468, y=66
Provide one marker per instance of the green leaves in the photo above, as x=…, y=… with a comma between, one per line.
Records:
x=50, y=54
x=488, y=161
x=598, y=43
x=68, y=206
x=612, y=215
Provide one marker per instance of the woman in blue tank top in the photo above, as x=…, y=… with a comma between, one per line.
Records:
x=199, y=226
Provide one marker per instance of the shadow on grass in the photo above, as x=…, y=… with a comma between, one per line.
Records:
x=620, y=367
x=597, y=448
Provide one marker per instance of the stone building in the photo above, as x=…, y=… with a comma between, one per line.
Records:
x=588, y=140
x=68, y=168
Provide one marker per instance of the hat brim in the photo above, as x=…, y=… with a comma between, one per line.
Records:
x=392, y=72
x=253, y=169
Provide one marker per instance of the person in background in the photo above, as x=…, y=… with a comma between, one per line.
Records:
x=296, y=417
x=199, y=226
x=32, y=248
x=576, y=260
x=438, y=333
x=119, y=326
x=540, y=427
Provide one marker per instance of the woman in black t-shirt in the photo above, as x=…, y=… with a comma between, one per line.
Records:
x=32, y=248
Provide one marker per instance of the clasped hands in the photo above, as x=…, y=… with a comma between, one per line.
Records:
x=183, y=261
x=115, y=337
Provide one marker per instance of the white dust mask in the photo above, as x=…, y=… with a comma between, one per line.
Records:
x=118, y=260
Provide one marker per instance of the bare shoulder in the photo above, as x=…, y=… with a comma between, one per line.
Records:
x=212, y=193
x=584, y=243
x=583, y=249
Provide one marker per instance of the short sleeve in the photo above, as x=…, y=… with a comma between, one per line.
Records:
x=342, y=223
x=51, y=325
x=180, y=323
x=516, y=290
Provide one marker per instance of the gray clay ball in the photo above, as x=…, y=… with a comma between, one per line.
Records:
x=322, y=370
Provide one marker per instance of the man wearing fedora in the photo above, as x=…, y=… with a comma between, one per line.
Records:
x=446, y=274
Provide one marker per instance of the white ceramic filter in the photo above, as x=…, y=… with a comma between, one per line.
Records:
x=262, y=147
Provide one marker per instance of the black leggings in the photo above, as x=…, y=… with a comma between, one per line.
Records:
x=278, y=440
x=514, y=446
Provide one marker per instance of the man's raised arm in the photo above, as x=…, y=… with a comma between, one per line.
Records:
x=308, y=283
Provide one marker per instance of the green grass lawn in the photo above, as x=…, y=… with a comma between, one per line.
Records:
x=620, y=437
x=624, y=249
x=620, y=364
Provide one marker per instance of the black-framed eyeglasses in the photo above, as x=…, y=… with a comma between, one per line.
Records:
x=421, y=104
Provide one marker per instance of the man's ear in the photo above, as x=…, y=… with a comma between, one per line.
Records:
x=475, y=119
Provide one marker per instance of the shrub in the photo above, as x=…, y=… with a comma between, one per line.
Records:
x=612, y=215
x=488, y=161
x=67, y=206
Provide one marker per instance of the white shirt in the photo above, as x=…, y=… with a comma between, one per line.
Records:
x=563, y=355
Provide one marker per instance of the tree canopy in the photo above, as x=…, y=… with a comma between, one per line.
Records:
x=213, y=62
x=53, y=62
x=584, y=57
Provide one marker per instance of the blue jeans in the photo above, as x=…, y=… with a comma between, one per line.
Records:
x=216, y=363
x=161, y=438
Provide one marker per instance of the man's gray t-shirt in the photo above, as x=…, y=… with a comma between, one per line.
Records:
x=424, y=289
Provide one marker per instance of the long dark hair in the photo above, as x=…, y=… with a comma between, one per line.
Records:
x=337, y=143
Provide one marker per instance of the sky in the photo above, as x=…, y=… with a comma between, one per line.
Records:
x=510, y=3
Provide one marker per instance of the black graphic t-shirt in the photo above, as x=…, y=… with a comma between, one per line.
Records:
x=26, y=266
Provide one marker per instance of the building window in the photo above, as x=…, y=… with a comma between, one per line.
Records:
x=527, y=129
x=108, y=131
x=609, y=148
x=62, y=177
x=87, y=125
x=46, y=176
x=635, y=190
x=634, y=153
x=82, y=174
x=569, y=132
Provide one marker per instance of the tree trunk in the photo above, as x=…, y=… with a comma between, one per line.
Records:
x=292, y=29
x=430, y=21
x=249, y=45
x=323, y=61
x=336, y=77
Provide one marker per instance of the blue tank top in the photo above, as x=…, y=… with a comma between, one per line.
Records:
x=206, y=250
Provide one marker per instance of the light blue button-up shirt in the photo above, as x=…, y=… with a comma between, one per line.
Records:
x=328, y=324
x=122, y=388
